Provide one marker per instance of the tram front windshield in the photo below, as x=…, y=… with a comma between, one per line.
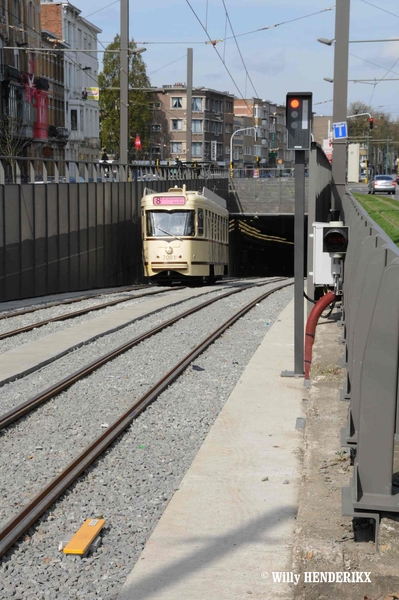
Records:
x=162, y=223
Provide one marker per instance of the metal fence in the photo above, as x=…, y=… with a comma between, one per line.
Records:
x=318, y=205
x=371, y=335
x=62, y=237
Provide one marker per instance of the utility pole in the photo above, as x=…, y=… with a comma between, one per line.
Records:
x=386, y=158
x=340, y=100
x=189, y=112
x=124, y=92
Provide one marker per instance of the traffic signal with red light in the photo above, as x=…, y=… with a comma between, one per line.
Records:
x=299, y=120
x=371, y=123
x=335, y=239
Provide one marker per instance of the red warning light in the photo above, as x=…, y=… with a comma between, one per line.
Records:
x=294, y=103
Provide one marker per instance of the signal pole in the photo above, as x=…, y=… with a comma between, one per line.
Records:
x=124, y=91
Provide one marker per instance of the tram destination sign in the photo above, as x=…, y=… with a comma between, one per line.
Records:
x=162, y=200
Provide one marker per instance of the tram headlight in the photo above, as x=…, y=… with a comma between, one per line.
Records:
x=169, y=250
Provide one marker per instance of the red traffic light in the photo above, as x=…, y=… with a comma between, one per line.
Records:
x=294, y=103
x=335, y=239
x=371, y=122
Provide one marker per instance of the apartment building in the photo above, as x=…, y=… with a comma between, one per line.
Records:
x=269, y=120
x=23, y=97
x=211, y=123
x=242, y=142
x=79, y=37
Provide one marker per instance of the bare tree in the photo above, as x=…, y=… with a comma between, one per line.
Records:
x=13, y=141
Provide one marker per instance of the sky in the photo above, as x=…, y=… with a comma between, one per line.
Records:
x=265, y=64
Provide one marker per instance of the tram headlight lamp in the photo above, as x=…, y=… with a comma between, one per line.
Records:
x=169, y=250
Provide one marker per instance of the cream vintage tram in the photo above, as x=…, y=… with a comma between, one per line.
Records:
x=185, y=235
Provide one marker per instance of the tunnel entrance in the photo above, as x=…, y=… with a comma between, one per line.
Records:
x=262, y=245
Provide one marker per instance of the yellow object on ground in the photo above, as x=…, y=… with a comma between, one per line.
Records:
x=85, y=535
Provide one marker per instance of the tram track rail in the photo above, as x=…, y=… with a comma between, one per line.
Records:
x=32, y=403
x=83, y=311
x=44, y=305
x=15, y=527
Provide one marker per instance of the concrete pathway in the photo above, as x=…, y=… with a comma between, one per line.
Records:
x=231, y=523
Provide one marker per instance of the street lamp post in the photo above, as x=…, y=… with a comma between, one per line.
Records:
x=231, y=143
x=340, y=100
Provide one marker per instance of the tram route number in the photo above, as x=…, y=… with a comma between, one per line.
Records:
x=169, y=257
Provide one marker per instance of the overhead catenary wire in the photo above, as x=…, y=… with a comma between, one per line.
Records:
x=382, y=78
x=217, y=52
x=379, y=8
x=239, y=50
x=210, y=41
x=100, y=9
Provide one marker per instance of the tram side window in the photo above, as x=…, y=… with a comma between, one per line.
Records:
x=201, y=221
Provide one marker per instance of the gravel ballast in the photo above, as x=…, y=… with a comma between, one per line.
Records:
x=136, y=478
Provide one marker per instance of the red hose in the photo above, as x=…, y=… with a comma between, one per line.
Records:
x=311, y=328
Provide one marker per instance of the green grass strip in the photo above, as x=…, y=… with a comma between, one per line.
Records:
x=384, y=211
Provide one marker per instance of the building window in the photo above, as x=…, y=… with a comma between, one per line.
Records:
x=196, y=104
x=82, y=119
x=177, y=124
x=248, y=150
x=15, y=16
x=177, y=102
x=154, y=105
x=155, y=127
x=196, y=149
x=31, y=15
x=228, y=128
x=176, y=147
x=74, y=120
x=197, y=125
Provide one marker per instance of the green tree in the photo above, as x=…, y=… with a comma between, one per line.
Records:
x=383, y=139
x=140, y=116
x=358, y=126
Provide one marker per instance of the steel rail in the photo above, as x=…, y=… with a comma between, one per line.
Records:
x=26, y=407
x=83, y=311
x=40, y=503
x=43, y=306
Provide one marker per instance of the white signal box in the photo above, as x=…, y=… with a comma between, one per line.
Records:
x=322, y=261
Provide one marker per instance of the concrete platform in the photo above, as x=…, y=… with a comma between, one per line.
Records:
x=34, y=355
x=227, y=527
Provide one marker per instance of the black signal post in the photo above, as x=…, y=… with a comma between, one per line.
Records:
x=299, y=123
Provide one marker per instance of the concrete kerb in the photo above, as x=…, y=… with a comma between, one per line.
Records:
x=232, y=521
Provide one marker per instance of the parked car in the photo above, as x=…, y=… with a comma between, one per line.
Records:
x=397, y=179
x=382, y=183
x=362, y=177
